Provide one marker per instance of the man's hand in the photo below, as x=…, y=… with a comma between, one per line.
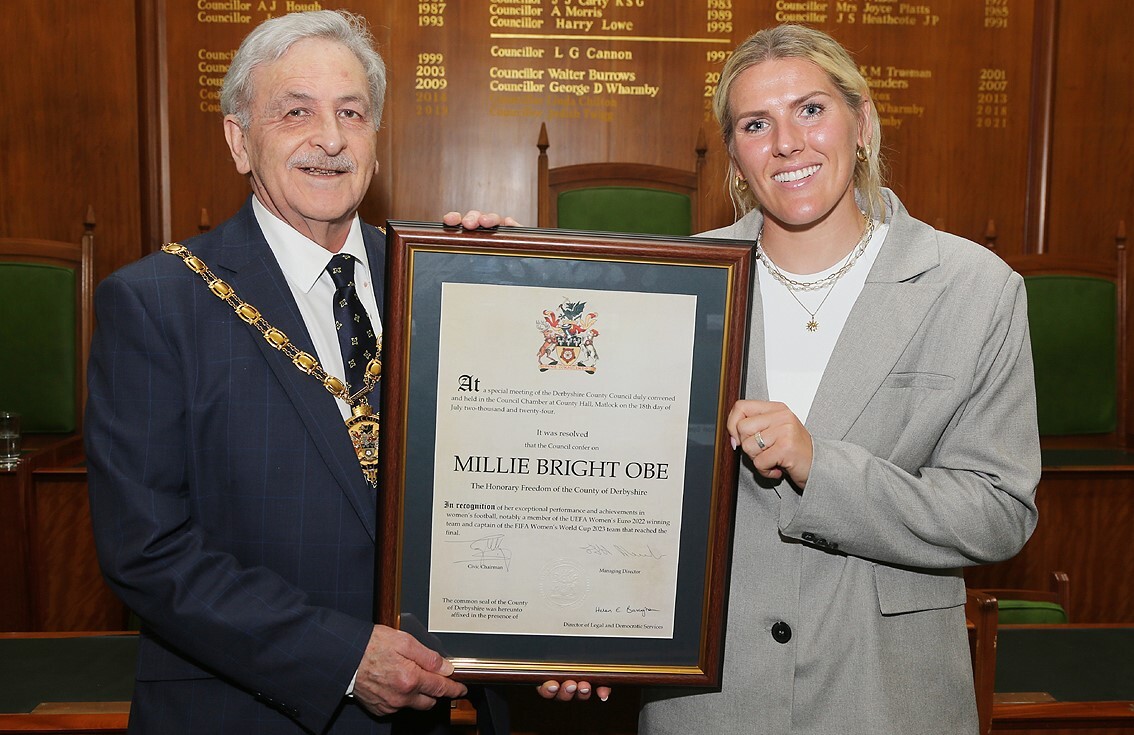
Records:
x=570, y=690
x=474, y=219
x=397, y=672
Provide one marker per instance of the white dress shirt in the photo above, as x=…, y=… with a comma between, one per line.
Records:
x=304, y=263
x=796, y=358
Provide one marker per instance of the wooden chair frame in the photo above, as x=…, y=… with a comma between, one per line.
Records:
x=1058, y=591
x=980, y=616
x=554, y=181
x=80, y=257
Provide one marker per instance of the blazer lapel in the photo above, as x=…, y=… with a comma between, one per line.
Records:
x=756, y=377
x=251, y=269
x=756, y=372
x=892, y=305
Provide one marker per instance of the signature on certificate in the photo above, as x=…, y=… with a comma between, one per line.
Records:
x=625, y=610
x=646, y=552
x=487, y=552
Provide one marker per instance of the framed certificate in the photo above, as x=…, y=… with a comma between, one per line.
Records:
x=557, y=485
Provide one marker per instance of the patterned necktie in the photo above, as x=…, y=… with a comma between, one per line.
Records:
x=356, y=335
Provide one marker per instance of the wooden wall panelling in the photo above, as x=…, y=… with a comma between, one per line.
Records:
x=955, y=126
x=198, y=45
x=201, y=174
x=1085, y=519
x=153, y=125
x=1126, y=327
x=84, y=94
x=70, y=133
x=15, y=602
x=949, y=119
x=1039, y=138
x=68, y=591
x=473, y=84
x=1092, y=153
x=470, y=84
x=17, y=609
x=1046, y=731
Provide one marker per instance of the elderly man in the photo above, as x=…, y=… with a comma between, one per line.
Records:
x=234, y=511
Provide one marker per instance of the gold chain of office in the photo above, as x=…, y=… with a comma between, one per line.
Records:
x=363, y=424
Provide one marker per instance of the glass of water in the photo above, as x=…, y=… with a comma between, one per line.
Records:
x=9, y=440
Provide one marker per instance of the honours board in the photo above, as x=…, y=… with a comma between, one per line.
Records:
x=628, y=80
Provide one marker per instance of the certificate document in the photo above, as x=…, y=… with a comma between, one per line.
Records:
x=562, y=422
x=556, y=484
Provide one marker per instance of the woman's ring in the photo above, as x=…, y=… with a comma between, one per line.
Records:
x=760, y=441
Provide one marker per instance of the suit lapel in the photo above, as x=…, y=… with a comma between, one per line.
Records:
x=756, y=380
x=756, y=373
x=251, y=269
x=886, y=316
x=893, y=303
x=375, y=242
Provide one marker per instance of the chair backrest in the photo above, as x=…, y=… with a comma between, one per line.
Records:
x=621, y=197
x=980, y=617
x=1034, y=606
x=1077, y=317
x=46, y=290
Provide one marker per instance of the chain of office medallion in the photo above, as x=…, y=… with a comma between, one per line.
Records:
x=277, y=339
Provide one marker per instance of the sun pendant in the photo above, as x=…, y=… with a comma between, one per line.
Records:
x=812, y=326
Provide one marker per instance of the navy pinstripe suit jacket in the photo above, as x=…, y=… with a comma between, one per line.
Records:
x=229, y=509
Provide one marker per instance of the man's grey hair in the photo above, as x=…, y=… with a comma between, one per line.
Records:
x=271, y=39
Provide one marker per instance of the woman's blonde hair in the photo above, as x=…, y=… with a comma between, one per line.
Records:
x=791, y=41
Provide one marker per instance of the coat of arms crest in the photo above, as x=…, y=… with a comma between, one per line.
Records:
x=568, y=338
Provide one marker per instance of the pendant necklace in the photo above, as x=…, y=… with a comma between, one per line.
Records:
x=828, y=282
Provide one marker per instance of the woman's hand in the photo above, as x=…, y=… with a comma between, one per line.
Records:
x=570, y=690
x=774, y=438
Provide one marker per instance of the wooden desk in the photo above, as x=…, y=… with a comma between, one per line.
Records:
x=47, y=552
x=66, y=682
x=17, y=608
x=1064, y=676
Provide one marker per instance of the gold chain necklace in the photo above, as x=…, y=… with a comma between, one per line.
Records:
x=827, y=281
x=363, y=423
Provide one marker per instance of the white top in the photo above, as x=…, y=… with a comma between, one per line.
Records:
x=304, y=264
x=795, y=357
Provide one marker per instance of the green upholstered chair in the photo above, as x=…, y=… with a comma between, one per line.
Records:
x=1034, y=607
x=46, y=288
x=621, y=197
x=1077, y=317
x=1030, y=612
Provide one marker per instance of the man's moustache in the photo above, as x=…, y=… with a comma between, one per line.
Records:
x=331, y=163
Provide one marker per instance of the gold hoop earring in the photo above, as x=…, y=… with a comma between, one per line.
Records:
x=863, y=153
x=740, y=184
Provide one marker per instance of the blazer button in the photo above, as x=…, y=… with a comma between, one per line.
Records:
x=781, y=632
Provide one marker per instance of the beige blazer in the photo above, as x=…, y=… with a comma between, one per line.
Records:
x=846, y=612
